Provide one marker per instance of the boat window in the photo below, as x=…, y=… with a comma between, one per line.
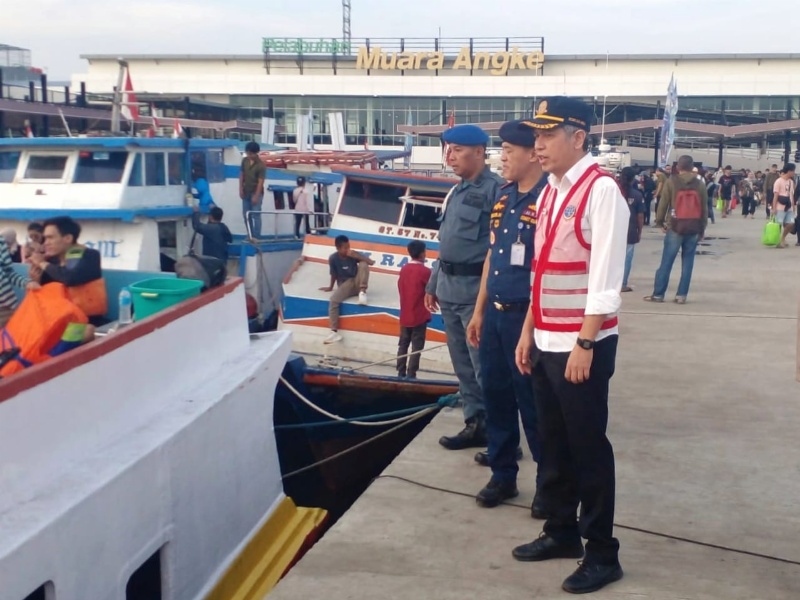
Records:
x=145, y=583
x=45, y=167
x=199, y=167
x=135, y=178
x=100, y=167
x=422, y=216
x=8, y=166
x=43, y=592
x=210, y=163
x=215, y=166
x=154, y=173
x=374, y=201
x=175, y=168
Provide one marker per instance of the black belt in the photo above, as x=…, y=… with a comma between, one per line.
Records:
x=461, y=269
x=511, y=306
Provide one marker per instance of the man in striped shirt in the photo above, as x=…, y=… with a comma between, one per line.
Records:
x=9, y=279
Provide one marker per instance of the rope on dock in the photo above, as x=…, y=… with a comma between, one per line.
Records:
x=394, y=358
x=444, y=401
x=375, y=438
x=649, y=532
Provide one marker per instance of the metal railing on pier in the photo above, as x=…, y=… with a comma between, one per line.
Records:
x=321, y=222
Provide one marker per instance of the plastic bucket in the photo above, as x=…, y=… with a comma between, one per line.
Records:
x=153, y=295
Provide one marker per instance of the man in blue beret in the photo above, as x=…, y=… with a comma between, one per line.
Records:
x=500, y=311
x=569, y=344
x=456, y=276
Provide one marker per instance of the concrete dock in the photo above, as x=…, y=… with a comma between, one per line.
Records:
x=705, y=416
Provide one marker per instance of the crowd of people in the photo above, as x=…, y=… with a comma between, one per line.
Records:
x=706, y=191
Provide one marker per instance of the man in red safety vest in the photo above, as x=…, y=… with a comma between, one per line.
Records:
x=569, y=344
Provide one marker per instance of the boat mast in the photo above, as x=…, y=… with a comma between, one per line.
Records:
x=116, y=107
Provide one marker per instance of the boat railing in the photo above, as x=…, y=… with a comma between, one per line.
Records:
x=321, y=221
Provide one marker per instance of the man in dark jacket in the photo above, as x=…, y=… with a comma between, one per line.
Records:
x=216, y=235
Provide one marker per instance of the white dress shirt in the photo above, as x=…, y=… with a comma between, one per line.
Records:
x=605, y=227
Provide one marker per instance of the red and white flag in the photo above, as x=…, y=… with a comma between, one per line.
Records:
x=129, y=108
x=451, y=122
x=177, y=130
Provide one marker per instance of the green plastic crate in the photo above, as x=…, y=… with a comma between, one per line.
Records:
x=154, y=295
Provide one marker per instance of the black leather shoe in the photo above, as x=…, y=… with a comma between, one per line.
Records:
x=482, y=458
x=537, y=509
x=591, y=577
x=546, y=547
x=472, y=436
x=496, y=492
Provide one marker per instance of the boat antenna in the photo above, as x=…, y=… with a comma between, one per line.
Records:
x=605, y=96
x=64, y=121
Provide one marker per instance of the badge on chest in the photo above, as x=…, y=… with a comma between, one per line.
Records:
x=518, y=250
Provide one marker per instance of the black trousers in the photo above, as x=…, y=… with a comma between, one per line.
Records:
x=298, y=219
x=414, y=336
x=577, y=462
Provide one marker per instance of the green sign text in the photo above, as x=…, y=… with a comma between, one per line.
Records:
x=301, y=46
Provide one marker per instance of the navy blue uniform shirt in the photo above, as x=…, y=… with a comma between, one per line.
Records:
x=513, y=217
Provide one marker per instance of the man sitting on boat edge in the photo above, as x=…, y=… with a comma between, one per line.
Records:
x=74, y=265
x=350, y=272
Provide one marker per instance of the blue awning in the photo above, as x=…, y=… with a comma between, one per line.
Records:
x=322, y=177
x=280, y=188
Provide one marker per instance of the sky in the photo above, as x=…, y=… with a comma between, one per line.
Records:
x=58, y=31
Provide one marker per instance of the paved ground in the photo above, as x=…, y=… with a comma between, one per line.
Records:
x=704, y=420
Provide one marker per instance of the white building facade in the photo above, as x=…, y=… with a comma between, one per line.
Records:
x=379, y=85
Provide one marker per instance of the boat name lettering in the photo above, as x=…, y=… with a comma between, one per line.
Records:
x=497, y=63
x=405, y=232
x=391, y=260
x=301, y=46
x=106, y=248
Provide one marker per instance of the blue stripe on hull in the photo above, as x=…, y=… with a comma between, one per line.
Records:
x=112, y=214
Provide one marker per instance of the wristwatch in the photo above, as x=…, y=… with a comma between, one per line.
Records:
x=585, y=344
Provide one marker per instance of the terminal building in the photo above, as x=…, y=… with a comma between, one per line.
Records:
x=741, y=109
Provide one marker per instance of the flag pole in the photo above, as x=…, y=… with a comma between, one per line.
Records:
x=605, y=97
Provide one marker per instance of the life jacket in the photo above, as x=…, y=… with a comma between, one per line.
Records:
x=91, y=297
x=39, y=326
x=561, y=260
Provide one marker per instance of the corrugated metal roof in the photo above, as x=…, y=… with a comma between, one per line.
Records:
x=703, y=129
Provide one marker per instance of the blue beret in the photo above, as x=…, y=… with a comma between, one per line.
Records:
x=518, y=133
x=562, y=110
x=465, y=135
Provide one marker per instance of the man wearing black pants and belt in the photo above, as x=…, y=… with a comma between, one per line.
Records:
x=500, y=311
x=569, y=343
x=456, y=277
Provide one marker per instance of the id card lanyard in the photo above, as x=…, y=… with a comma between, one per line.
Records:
x=518, y=249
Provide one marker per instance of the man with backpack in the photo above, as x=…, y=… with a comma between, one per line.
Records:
x=683, y=214
x=746, y=192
